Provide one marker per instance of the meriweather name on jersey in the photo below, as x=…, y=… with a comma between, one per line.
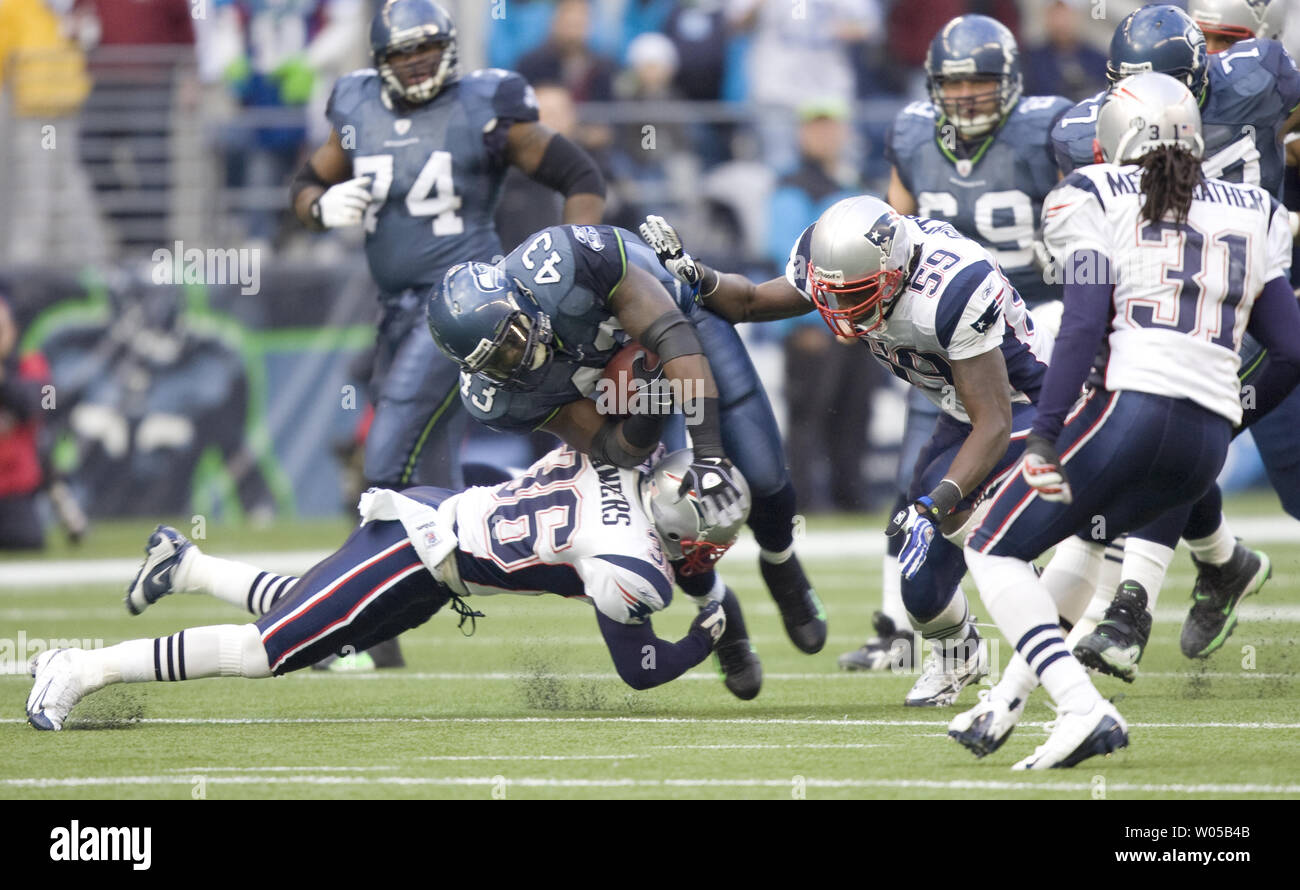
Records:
x=1253, y=87
x=436, y=170
x=1185, y=290
x=956, y=304
x=995, y=197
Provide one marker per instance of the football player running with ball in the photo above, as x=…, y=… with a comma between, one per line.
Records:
x=569, y=526
x=934, y=308
x=1153, y=435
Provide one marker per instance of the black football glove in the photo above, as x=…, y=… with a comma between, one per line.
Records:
x=713, y=480
x=713, y=618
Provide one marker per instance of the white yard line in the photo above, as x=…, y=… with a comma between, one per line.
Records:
x=733, y=721
x=547, y=782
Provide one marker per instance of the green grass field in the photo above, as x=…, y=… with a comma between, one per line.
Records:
x=530, y=707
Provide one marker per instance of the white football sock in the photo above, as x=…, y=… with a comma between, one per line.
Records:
x=891, y=593
x=1017, y=682
x=1147, y=562
x=1215, y=549
x=1107, y=582
x=950, y=623
x=1071, y=576
x=1026, y=615
x=223, y=650
x=237, y=583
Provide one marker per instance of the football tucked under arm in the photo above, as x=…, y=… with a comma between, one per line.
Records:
x=629, y=384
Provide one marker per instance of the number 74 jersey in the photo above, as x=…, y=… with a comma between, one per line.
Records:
x=955, y=304
x=1182, y=293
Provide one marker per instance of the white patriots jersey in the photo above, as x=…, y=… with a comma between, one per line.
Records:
x=567, y=527
x=1182, y=293
x=956, y=305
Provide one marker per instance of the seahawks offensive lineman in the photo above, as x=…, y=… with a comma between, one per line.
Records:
x=1166, y=406
x=977, y=155
x=935, y=309
x=568, y=526
x=1248, y=96
x=533, y=334
x=417, y=156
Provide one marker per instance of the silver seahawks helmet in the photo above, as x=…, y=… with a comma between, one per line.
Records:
x=858, y=264
x=679, y=519
x=1234, y=19
x=1142, y=113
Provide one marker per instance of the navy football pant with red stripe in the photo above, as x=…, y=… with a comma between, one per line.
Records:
x=1128, y=456
x=372, y=589
x=928, y=592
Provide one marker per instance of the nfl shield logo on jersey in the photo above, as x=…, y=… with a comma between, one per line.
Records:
x=402, y=126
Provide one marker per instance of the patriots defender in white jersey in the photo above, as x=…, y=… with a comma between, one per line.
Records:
x=935, y=309
x=1170, y=269
x=568, y=526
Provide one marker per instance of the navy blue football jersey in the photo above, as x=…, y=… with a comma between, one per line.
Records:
x=436, y=170
x=996, y=197
x=571, y=271
x=1254, y=86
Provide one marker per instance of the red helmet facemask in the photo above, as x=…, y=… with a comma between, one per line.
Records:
x=700, y=556
x=850, y=321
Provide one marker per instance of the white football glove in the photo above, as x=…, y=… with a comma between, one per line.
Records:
x=1042, y=470
x=667, y=245
x=714, y=621
x=343, y=204
x=917, y=522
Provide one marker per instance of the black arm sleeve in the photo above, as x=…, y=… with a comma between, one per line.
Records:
x=1275, y=323
x=645, y=661
x=568, y=169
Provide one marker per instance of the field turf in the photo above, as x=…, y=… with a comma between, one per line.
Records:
x=529, y=707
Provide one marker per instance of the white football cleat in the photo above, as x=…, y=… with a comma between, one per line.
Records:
x=986, y=726
x=942, y=679
x=57, y=688
x=157, y=575
x=1076, y=737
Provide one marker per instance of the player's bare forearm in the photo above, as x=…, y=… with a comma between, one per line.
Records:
x=898, y=196
x=981, y=384
x=584, y=209
x=641, y=304
x=581, y=425
x=738, y=299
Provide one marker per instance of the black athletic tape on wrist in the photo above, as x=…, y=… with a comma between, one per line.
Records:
x=644, y=430
x=945, y=496
x=706, y=289
x=706, y=436
x=606, y=447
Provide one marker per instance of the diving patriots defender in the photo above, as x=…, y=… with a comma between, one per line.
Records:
x=1154, y=434
x=417, y=155
x=568, y=526
x=533, y=333
x=977, y=155
x=934, y=309
x=1246, y=95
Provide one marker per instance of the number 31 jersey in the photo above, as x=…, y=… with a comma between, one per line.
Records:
x=435, y=170
x=568, y=526
x=1182, y=293
x=955, y=305
x=996, y=197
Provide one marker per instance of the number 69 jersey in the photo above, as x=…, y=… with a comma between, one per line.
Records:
x=435, y=171
x=955, y=305
x=568, y=526
x=1182, y=292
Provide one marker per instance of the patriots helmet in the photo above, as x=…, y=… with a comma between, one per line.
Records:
x=1145, y=111
x=858, y=264
x=1160, y=38
x=679, y=519
x=1231, y=20
x=490, y=324
x=414, y=47
x=979, y=49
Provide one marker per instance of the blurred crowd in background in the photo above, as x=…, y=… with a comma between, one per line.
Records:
x=128, y=125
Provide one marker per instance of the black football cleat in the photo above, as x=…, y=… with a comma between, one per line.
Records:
x=801, y=610
x=742, y=672
x=1218, y=592
x=1115, y=646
